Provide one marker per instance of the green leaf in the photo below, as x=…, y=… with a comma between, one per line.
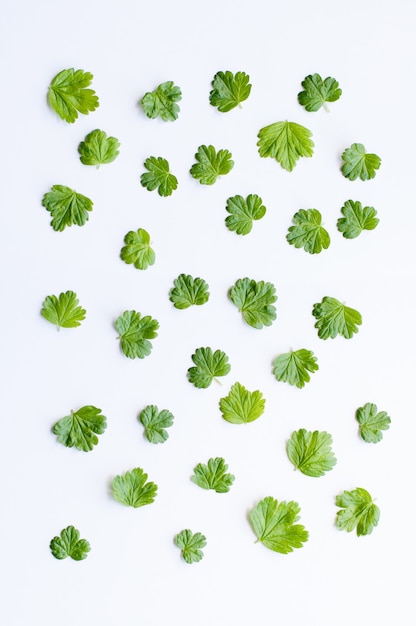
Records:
x=135, y=332
x=255, y=300
x=286, y=142
x=188, y=291
x=274, y=525
x=229, y=90
x=66, y=206
x=243, y=212
x=80, y=428
x=208, y=366
x=356, y=219
x=97, y=148
x=372, y=423
x=214, y=475
x=358, y=163
x=158, y=176
x=242, y=406
x=162, y=102
x=318, y=92
x=191, y=545
x=311, y=452
x=211, y=164
x=137, y=250
x=334, y=318
x=293, y=367
x=68, y=94
x=155, y=423
x=308, y=233
x=69, y=544
x=132, y=488
x=358, y=512
x=63, y=310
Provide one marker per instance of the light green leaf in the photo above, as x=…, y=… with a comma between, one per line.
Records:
x=135, y=332
x=191, y=545
x=286, y=142
x=334, y=318
x=162, y=102
x=211, y=164
x=137, y=250
x=66, y=206
x=188, y=291
x=311, y=452
x=318, y=92
x=97, y=148
x=274, y=525
x=132, y=488
x=155, y=423
x=243, y=212
x=356, y=219
x=358, y=512
x=229, y=90
x=213, y=475
x=158, y=176
x=68, y=94
x=372, y=423
x=208, y=366
x=80, y=428
x=358, y=163
x=293, y=367
x=255, y=300
x=242, y=406
x=307, y=232
x=63, y=310
x=68, y=544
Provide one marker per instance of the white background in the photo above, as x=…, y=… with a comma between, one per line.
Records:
x=134, y=574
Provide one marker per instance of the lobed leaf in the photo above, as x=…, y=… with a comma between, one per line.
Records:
x=133, y=489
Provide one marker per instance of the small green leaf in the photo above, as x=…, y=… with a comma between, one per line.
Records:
x=334, y=318
x=242, y=406
x=208, y=366
x=356, y=219
x=80, y=428
x=191, y=545
x=358, y=512
x=211, y=164
x=63, y=310
x=68, y=544
x=318, y=92
x=311, y=452
x=188, y=291
x=372, y=423
x=308, y=232
x=67, y=207
x=286, y=142
x=132, y=488
x=162, y=102
x=229, y=90
x=213, y=475
x=68, y=94
x=293, y=367
x=134, y=333
x=243, y=212
x=358, y=163
x=274, y=525
x=155, y=423
x=137, y=250
x=97, y=148
x=158, y=176
x=255, y=300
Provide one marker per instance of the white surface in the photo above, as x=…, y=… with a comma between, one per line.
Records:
x=134, y=574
